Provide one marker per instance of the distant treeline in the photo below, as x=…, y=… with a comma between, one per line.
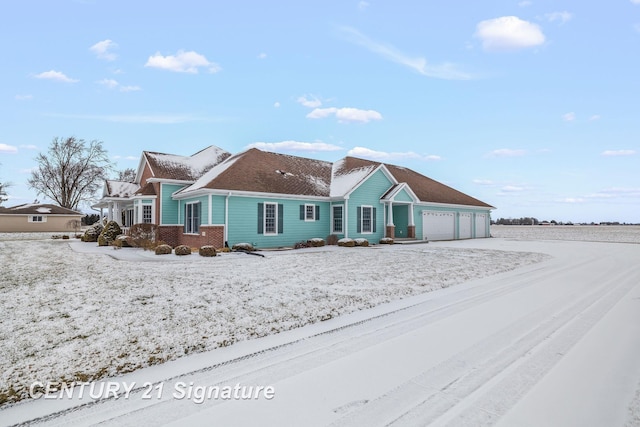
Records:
x=535, y=221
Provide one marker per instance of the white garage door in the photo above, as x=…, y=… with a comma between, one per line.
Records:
x=481, y=225
x=465, y=225
x=438, y=225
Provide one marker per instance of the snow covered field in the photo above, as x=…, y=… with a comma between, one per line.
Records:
x=553, y=342
x=79, y=314
x=584, y=233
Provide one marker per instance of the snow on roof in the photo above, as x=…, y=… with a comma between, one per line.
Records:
x=344, y=180
x=44, y=210
x=187, y=168
x=211, y=174
x=121, y=188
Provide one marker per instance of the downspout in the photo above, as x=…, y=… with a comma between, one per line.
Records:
x=346, y=216
x=226, y=219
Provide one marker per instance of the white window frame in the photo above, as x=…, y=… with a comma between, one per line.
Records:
x=41, y=218
x=190, y=226
x=362, y=228
x=333, y=219
x=309, y=209
x=150, y=213
x=275, y=219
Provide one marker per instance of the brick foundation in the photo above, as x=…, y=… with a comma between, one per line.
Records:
x=213, y=235
x=411, y=231
x=391, y=231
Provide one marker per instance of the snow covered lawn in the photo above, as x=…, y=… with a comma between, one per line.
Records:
x=70, y=315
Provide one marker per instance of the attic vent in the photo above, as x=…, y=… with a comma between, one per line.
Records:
x=284, y=173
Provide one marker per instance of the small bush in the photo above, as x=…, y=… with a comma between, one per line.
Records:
x=332, y=240
x=92, y=233
x=243, y=247
x=301, y=245
x=65, y=237
x=347, y=242
x=163, y=249
x=386, y=241
x=207, y=251
x=109, y=233
x=182, y=250
x=316, y=242
x=56, y=237
x=144, y=235
x=361, y=242
x=122, y=241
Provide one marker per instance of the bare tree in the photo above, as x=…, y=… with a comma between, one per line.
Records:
x=127, y=175
x=71, y=172
x=3, y=191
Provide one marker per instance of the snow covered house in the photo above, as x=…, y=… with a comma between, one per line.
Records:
x=276, y=200
x=38, y=217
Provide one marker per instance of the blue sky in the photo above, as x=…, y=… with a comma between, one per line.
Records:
x=531, y=106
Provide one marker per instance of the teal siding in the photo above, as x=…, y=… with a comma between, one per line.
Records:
x=368, y=194
x=243, y=222
x=217, y=204
x=169, y=213
x=403, y=196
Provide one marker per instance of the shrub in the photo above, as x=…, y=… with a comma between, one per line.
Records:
x=182, y=250
x=65, y=237
x=243, y=247
x=207, y=251
x=386, y=241
x=316, y=242
x=143, y=235
x=361, y=242
x=163, y=249
x=347, y=242
x=332, y=240
x=109, y=233
x=122, y=241
x=301, y=245
x=92, y=233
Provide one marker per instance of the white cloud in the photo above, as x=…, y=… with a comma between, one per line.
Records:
x=508, y=33
x=617, y=153
x=117, y=157
x=55, y=75
x=594, y=117
x=182, y=62
x=507, y=152
x=635, y=1
x=5, y=148
x=314, y=102
x=613, y=192
x=103, y=50
x=569, y=117
x=29, y=147
x=346, y=114
x=276, y=104
x=24, y=97
x=559, y=16
x=572, y=200
x=512, y=189
x=110, y=83
x=362, y=5
x=294, y=146
x=262, y=55
x=446, y=71
x=113, y=84
x=384, y=155
x=525, y=3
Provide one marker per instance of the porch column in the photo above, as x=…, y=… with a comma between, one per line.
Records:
x=391, y=228
x=110, y=212
x=411, y=229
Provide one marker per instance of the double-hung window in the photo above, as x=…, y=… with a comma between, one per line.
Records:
x=337, y=219
x=367, y=219
x=270, y=218
x=146, y=214
x=192, y=218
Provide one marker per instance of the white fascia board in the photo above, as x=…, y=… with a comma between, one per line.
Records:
x=170, y=181
x=402, y=186
x=455, y=206
x=143, y=161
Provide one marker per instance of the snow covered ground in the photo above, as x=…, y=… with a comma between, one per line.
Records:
x=537, y=331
